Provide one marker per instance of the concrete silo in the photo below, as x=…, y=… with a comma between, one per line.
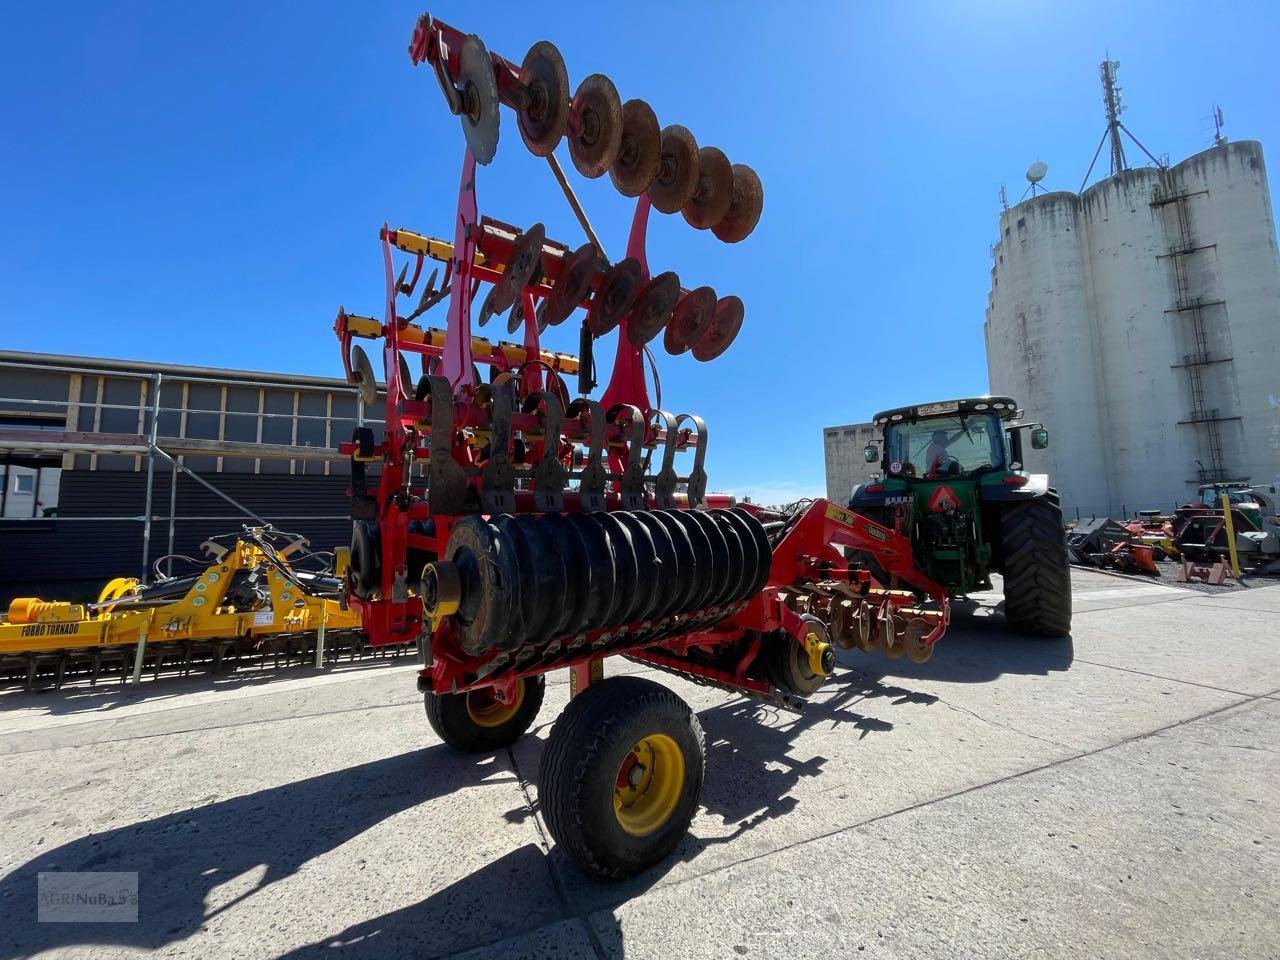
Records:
x=1039, y=339
x=1140, y=320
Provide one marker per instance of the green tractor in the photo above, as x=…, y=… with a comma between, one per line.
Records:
x=953, y=482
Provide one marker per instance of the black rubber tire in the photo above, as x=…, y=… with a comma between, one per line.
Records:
x=447, y=713
x=587, y=747
x=1037, y=577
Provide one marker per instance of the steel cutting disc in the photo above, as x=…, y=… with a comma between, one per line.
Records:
x=653, y=308
x=544, y=118
x=526, y=258
x=578, y=274
x=599, y=108
x=689, y=320
x=362, y=370
x=724, y=327
x=677, y=179
x=913, y=644
x=479, y=90
x=640, y=152
x=744, y=209
x=710, y=202
x=614, y=297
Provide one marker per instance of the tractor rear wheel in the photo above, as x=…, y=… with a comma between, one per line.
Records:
x=621, y=775
x=1037, y=578
x=477, y=721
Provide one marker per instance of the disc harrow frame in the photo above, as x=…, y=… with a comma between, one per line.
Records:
x=511, y=530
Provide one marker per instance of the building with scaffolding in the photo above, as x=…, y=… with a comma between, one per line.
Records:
x=108, y=466
x=1140, y=321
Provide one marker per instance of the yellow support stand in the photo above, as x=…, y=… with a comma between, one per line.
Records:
x=1231, y=536
x=138, y=656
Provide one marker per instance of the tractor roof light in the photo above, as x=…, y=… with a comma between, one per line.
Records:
x=1014, y=481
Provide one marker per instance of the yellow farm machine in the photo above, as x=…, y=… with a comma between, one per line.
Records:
x=511, y=526
x=250, y=600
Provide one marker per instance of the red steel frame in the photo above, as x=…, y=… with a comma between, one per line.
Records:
x=807, y=552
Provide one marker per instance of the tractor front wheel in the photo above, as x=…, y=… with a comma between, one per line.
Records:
x=1037, y=578
x=621, y=775
x=477, y=721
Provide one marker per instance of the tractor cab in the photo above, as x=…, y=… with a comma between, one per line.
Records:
x=948, y=469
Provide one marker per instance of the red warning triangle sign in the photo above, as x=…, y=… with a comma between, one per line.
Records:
x=944, y=500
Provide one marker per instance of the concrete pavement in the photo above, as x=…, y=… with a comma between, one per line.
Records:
x=1114, y=794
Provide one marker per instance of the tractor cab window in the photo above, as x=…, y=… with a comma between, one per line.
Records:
x=946, y=446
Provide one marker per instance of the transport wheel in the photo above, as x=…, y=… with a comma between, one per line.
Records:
x=1037, y=579
x=477, y=722
x=621, y=775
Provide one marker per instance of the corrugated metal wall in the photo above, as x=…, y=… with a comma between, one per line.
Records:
x=69, y=559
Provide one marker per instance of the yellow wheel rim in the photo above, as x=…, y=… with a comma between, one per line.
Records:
x=486, y=710
x=648, y=786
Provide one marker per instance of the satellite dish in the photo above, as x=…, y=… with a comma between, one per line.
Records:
x=1036, y=172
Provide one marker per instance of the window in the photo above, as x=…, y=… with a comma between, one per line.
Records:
x=24, y=483
x=947, y=446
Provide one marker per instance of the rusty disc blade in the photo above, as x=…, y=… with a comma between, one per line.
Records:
x=639, y=154
x=577, y=276
x=515, y=316
x=677, y=178
x=362, y=372
x=545, y=115
x=599, y=108
x=653, y=308
x=614, y=297
x=690, y=320
x=745, y=208
x=724, y=327
x=479, y=91
x=710, y=202
x=526, y=258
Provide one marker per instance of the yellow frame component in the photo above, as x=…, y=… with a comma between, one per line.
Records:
x=201, y=614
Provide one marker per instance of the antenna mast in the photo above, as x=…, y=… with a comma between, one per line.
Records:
x=1111, y=99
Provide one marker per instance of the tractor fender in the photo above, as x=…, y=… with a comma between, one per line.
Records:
x=864, y=498
x=1037, y=485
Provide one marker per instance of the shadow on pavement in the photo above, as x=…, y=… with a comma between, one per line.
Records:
x=977, y=648
x=182, y=857
x=109, y=694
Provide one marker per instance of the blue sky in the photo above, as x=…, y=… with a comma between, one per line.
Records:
x=204, y=183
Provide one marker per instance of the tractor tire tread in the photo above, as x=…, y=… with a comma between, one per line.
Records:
x=1037, y=575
